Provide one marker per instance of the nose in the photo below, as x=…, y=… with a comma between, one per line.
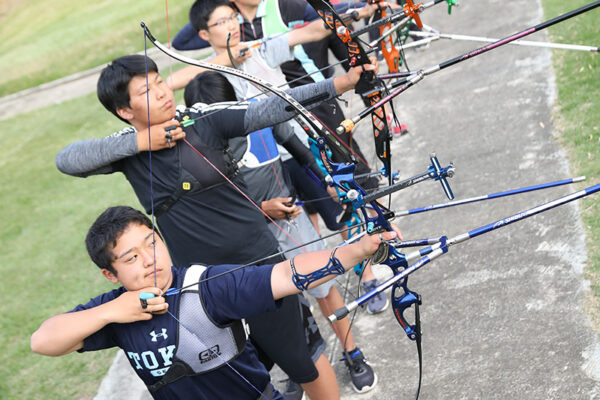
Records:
x=147, y=257
x=159, y=92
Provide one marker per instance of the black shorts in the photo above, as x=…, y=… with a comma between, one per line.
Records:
x=280, y=337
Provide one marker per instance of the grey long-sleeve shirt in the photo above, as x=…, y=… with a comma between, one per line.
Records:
x=213, y=223
x=95, y=156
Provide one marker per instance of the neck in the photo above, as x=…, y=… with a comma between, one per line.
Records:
x=247, y=11
x=139, y=126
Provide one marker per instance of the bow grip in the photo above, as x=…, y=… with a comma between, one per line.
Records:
x=388, y=255
x=440, y=175
x=401, y=304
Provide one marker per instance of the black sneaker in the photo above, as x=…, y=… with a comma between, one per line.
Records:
x=361, y=374
x=293, y=391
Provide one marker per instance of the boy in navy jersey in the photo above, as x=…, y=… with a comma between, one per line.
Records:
x=176, y=354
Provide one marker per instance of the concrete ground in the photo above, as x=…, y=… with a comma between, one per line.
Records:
x=502, y=314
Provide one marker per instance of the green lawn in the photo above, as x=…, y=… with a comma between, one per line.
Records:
x=577, y=115
x=45, y=40
x=44, y=265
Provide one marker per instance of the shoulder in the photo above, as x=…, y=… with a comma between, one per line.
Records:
x=292, y=9
x=203, y=108
x=238, y=292
x=125, y=131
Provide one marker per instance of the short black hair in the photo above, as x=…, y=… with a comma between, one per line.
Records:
x=108, y=227
x=113, y=84
x=202, y=10
x=208, y=87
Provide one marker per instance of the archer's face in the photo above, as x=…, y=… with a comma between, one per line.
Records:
x=222, y=22
x=134, y=254
x=161, y=101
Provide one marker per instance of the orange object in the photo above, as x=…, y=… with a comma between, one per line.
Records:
x=413, y=11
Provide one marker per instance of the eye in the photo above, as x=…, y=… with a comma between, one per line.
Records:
x=131, y=259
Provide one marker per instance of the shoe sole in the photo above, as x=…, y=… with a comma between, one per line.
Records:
x=366, y=389
x=301, y=398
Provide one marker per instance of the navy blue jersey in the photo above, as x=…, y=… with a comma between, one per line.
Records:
x=150, y=345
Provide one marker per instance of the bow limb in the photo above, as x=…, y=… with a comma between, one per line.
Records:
x=317, y=129
x=388, y=49
x=369, y=87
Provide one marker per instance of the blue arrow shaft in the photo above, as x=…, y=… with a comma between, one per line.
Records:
x=489, y=196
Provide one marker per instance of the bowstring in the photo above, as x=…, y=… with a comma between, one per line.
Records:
x=216, y=169
x=153, y=216
x=168, y=36
x=150, y=161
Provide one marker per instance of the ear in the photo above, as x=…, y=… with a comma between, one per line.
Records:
x=125, y=113
x=204, y=35
x=110, y=276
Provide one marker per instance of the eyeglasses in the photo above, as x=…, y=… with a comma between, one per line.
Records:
x=223, y=21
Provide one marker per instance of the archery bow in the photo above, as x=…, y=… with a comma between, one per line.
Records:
x=348, y=125
x=444, y=243
x=369, y=88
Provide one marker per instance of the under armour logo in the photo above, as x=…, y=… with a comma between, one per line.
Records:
x=156, y=335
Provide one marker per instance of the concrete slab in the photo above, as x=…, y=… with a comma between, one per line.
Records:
x=502, y=314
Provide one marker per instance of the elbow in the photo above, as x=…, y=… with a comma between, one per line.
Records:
x=41, y=345
x=59, y=161
x=62, y=164
x=37, y=343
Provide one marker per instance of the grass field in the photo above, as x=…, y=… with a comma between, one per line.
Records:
x=576, y=115
x=46, y=40
x=45, y=214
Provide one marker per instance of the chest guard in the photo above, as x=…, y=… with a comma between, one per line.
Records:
x=201, y=345
x=195, y=172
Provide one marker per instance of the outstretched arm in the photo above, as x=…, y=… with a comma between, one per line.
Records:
x=272, y=110
x=349, y=256
x=179, y=79
x=316, y=30
x=303, y=155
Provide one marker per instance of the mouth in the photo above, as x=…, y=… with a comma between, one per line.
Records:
x=167, y=105
x=151, y=273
